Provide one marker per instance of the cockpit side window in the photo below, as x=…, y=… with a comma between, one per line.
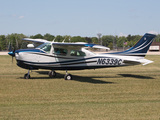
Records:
x=45, y=47
x=77, y=53
x=60, y=51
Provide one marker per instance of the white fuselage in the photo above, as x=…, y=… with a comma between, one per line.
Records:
x=87, y=60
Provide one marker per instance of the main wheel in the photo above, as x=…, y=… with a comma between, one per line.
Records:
x=52, y=73
x=26, y=76
x=68, y=77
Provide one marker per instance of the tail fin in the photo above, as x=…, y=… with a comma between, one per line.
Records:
x=141, y=47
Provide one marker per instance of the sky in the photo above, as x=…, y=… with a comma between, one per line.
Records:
x=83, y=18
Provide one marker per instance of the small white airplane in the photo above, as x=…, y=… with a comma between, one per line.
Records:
x=74, y=56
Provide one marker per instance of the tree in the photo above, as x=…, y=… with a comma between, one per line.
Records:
x=129, y=38
x=89, y=40
x=107, y=39
x=78, y=39
x=2, y=42
x=38, y=36
x=68, y=38
x=157, y=39
x=48, y=37
x=121, y=40
x=59, y=38
x=94, y=40
x=110, y=46
x=24, y=45
x=15, y=40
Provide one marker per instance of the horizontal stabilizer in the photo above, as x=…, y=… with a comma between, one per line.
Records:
x=145, y=62
x=138, y=61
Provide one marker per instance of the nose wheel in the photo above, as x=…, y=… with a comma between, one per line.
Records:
x=27, y=75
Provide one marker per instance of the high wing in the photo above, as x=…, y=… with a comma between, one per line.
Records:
x=72, y=45
x=35, y=40
x=79, y=45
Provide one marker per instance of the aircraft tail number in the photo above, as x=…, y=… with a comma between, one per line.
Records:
x=109, y=61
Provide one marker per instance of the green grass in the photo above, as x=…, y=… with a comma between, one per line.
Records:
x=112, y=93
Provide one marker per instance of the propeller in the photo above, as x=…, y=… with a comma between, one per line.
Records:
x=12, y=49
x=12, y=53
x=9, y=47
x=17, y=44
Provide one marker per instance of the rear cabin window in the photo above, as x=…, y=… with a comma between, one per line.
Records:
x=77, y=53
x=60, y=51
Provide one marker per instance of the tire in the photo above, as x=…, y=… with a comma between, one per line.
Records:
x=26, y=76
x=52, y=73
x=68, y=77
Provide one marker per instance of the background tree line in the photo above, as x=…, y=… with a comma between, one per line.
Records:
x=110, y=41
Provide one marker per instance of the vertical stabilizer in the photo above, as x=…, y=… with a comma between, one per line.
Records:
x=141, y=47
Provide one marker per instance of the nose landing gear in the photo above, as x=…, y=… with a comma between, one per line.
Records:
x=27, y=75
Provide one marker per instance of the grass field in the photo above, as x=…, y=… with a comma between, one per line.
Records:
x=113, y=93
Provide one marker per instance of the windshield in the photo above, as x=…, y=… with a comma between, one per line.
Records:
x=45, y=47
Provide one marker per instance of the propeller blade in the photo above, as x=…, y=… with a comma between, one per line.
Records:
x=16, y=44
x=12, y=53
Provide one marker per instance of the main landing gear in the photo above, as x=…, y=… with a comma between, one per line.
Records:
x=51, y=74
x=67, y=76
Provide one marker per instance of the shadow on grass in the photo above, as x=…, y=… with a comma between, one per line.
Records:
x=136, y=76
x=75, y=78
x=91, y=79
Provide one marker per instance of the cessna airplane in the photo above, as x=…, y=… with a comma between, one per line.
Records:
x=74, y=56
